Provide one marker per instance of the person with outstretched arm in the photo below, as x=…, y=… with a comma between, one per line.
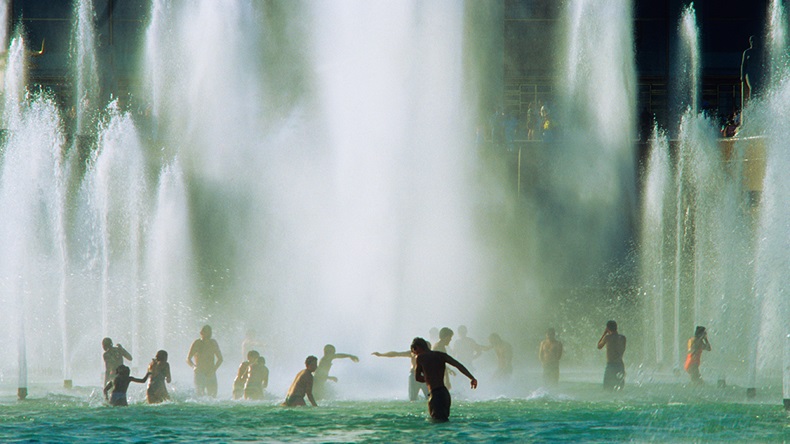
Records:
x=431, y=366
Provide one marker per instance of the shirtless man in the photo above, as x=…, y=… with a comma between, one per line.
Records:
x=302, y=385
x=113, y=358
x=614, y=377
x=550, y=354
x=204, y=351
x=504, y=357
x=324, y=365
x=431, y=366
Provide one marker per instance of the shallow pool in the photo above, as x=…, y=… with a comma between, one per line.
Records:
x=574, y=412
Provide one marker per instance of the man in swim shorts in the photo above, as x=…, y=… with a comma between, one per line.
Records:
x=614, y=376
x=302, y=385
x=430, y=369
x=207, y=359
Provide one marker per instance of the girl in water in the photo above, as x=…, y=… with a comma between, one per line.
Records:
x=159, y=369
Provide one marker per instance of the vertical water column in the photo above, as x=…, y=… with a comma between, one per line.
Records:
x=686, y=92
x=116, y=182
x=32, y=240
x=202, y=68
x=771, y=113
x=595, y=179
x=168, y=261
x=389, y=80
x=84, y=68
x=780, y=59
x=657, y=186
x=688, y=66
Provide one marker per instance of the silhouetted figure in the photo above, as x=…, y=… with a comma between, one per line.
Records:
x=324, y=365
x=614, y=376
x=431, y=369
x=257, y=377
x=550, y=355
x=159, y=369
x=504, y=357
x=414, y=387
x=241, y=375
x=730, y=127
x=113, y=358
x=751, y=73
x=207, y=359
x=119, y=384
x=546, y=125
x=531, y=122
x=696, y=345
x=302, y=385
x=467, y=349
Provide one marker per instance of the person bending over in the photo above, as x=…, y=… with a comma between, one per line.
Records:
x=302, y=385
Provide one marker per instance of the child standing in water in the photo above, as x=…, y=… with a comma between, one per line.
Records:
x=159, y=369
x=119, y=385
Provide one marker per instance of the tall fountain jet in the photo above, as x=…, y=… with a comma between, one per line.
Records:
x=768, y=123
x=592, y=173
x=307, y=165
x=32, y=240
x=725, y=244
x=84, y=67
x=338, y=149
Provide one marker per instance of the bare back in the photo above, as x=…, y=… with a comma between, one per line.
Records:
x=302, y=385
x=615, y=348
x=431, y=366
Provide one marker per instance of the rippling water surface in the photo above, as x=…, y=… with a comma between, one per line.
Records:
x=573, y=413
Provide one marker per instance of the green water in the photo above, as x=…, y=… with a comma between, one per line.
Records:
x=573, y=413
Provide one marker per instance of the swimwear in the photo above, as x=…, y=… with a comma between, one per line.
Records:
x=206, y=382
x=293, y=401
x=551, y=373
x=118, y=399
x=614, y=377
x=692, y=359
x=439, y=404
x=253, y=393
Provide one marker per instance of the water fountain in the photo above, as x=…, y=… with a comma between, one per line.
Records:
x=724, y=238
x=277, y=177
x=309, y=170
x=325, y=192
